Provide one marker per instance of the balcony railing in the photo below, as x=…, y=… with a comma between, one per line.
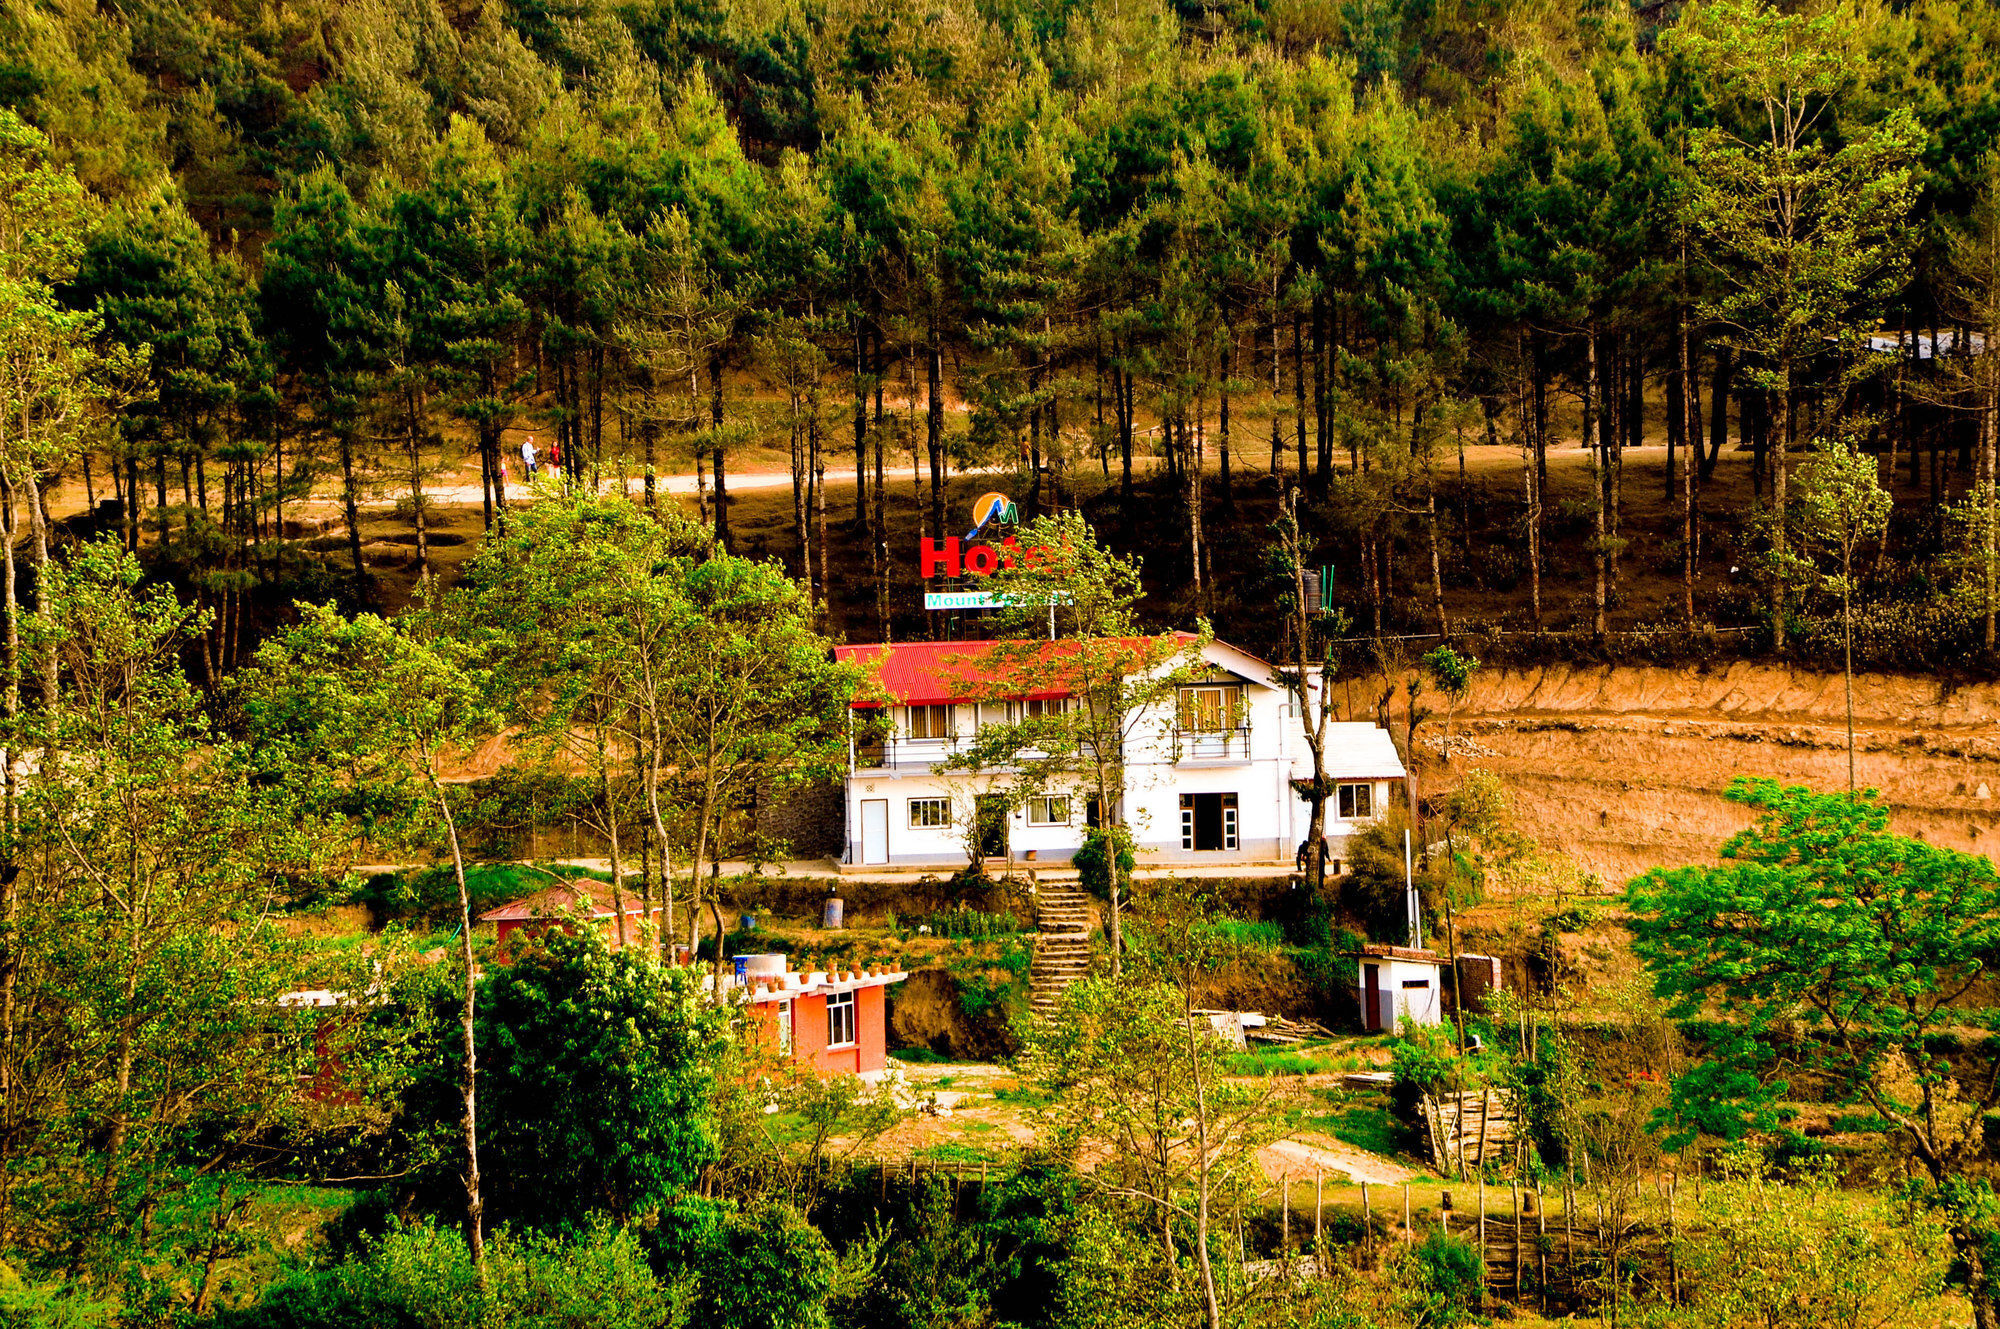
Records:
x=915, y=753
x=1216, y=745
x=888, y=753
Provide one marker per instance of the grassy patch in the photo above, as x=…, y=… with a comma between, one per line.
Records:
x=1251, y=935
x=951, y=1151
x=1285, y=1061
x=1022, y=1096
x=1294, y=1059
x=1357, y=1118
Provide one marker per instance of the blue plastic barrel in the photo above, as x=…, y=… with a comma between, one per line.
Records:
x=831, y=916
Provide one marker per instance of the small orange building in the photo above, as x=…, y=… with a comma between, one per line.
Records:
x=519, y=922
x=837, y=1023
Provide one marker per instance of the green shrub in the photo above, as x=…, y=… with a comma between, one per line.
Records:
x=1421, y=1065
x=968, y=924
x=597, y=1070
x=762, y=1268
x=1439, y=1281
x=996, y=983
x=422, y=1277
x=1104, y=856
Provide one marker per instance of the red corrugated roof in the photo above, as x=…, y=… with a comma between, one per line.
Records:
x=922, y=673
x=557, y=901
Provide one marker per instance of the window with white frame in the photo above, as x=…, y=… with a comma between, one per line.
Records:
x=993, y=713
x=840, y=1020
x=1049, y=810
x=1356, y=800
x=930, y=721
x=784, y=1009
x=926, y=812
x=1035, y=708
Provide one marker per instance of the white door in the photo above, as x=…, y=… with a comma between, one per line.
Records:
x=874, y=830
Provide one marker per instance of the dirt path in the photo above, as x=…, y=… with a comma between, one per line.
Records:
x=1308, y=1156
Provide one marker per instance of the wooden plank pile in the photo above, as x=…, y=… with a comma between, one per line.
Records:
x=1277, y=1029
x=1464, y=1131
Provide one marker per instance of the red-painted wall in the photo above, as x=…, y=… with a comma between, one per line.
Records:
x=809, y=1030
x=871, y=1029
x=870, y=1051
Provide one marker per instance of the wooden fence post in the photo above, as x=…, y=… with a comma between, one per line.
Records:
x=1569, y=1224
x=1367, y=1223
x=1542, y=1245
x=1285, y=1218
x=1514, y=1193
x=1673, y=1244
x=1409, y=1233
x=1483, y=1277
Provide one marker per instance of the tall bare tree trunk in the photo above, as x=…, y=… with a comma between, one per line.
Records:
x=475, y=1208
x=1597, y=480
x=1691, y=404
x=720, y=451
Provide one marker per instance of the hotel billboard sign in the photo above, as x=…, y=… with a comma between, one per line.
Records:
x=971, y=556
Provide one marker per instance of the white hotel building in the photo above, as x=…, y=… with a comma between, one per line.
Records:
x=1208, y=783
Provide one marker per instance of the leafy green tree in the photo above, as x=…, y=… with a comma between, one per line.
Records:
x=1801, y=219
x=568, y=599
x=746, y=693
x=384, y=706
x=1122, y=686
x=1843, y=506
x=321, y=285
x=1866, y=943
x=141, y=1024
x=1580, y=185
x=456, y=247
x=150, y=274
x=57, y=389
x=1137, y=1079
x=597, y=1070
x=1803, y=1253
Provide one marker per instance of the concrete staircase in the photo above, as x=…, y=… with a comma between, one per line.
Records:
x=1062, y=943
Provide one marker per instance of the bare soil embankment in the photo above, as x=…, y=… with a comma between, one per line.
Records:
x=1624, y=768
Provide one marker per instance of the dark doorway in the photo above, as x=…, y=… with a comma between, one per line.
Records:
x=992, y=814
x=1208, y=822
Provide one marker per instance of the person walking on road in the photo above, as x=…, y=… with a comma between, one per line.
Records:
x=528, y=458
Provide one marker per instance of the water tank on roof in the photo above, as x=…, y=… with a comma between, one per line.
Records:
x=762, y=966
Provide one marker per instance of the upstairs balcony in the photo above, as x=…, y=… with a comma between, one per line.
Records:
x=1212, y=747
x=909, y=756
x=896, y=753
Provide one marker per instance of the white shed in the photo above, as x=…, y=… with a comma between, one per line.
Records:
x=1399, y=983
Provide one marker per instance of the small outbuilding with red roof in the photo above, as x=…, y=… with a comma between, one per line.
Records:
x=519, y=922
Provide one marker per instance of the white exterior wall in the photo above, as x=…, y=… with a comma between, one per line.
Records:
x=945, y=846
x=1397, y=1003
x=1271, y=819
